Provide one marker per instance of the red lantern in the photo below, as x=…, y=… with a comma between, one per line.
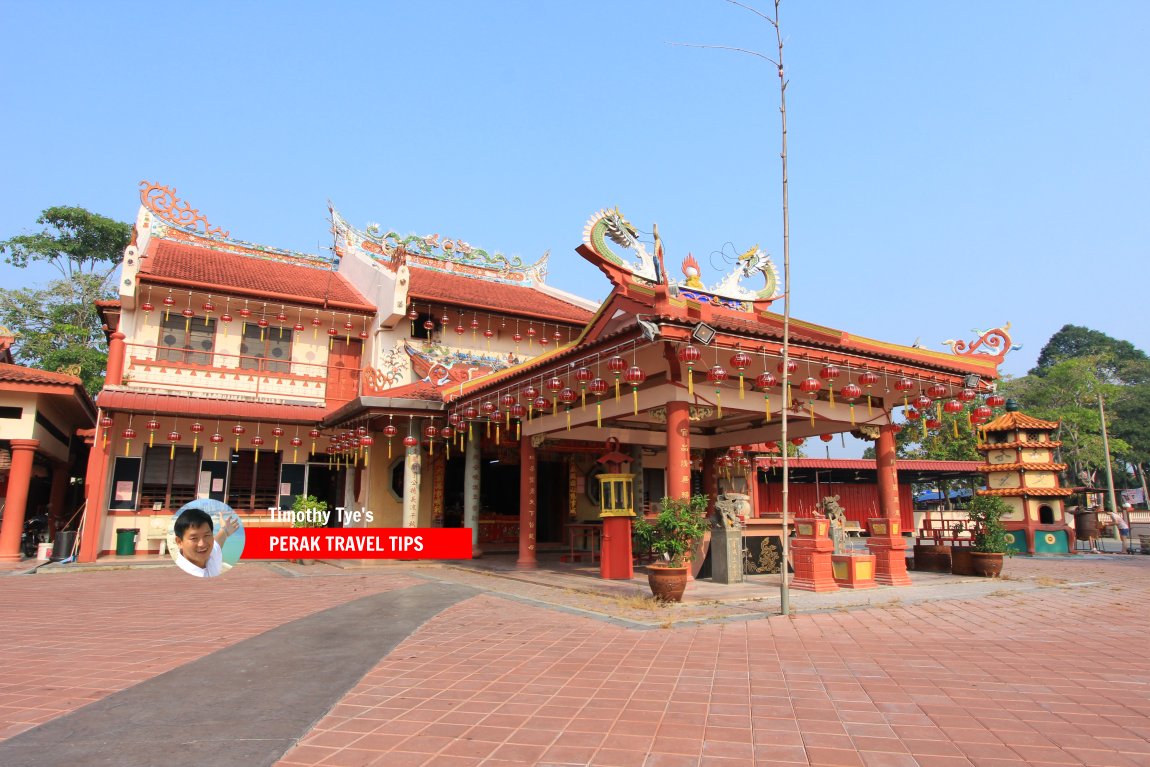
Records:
x=717, y=375
x=933, y=423
x=922, y=402
x=216, y=439
x=277, y=432
x=410, y=441
x=173, y=438
x=936, y=391
x=517, y=337
x=390, y=431
x=689, y=355
x=798, y=441
x=904, y=385
x=967, y=395
x=635, y=376
x=413, y=314
x=209, y=307
x=238, y=430
x=298, y=327
x=792, y=366
x=981, y=413
x=952, y=406
x=147, y=307
x=429, y=324
x=196, y=428
x=617, y=365
x=459, y=330
x=850, y=393
x=826, y=437
x=995, y=400
x=912, y=414
x=128, y=434
x=598, y=387
x=429, y=431
x=811, y=386
x=151, y=426
x=765, y=381
x=447, y=433
x=868, y=379
x=740, y=361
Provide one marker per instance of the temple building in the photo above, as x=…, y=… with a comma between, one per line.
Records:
x=437, y=384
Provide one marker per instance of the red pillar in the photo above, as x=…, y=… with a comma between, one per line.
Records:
x=527, y=509
x=94, y=511
x=115, y=375
x=678, y=450
x=886, y=541
x=57, y=514
x=16, y=500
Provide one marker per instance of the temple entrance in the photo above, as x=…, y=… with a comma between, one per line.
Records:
x=551, y=501
x=453, y=482
x=326, y=484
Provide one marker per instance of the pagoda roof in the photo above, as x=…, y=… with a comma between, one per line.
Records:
x=1036, y=492
x=1015, y=420
x=987, y=446
x=997, y=467
x=460, y=289
x=186, y=260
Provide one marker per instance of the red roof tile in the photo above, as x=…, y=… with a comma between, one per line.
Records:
x=429, y=285
x=278, y=279
x=176, y=404
x=20, y=374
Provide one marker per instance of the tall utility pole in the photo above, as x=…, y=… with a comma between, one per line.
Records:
x=1106, y=449
x=784, y=588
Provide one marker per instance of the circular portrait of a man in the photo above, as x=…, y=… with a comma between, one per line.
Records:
x=206, y=538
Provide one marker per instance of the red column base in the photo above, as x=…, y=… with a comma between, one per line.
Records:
x=813, y=570
x=854, y=571
x=890, y=560
x=615, y=560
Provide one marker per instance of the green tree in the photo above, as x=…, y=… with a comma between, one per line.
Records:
x=1068, y=392
x=57, y=326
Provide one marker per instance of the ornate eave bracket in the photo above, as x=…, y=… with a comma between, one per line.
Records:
x=997, y=342
x=164, y=203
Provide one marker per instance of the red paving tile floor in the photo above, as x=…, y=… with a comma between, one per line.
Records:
x=1057, y=675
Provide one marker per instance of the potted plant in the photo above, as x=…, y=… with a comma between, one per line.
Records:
x=308, y=511
x=989, y=545
x=672, y=535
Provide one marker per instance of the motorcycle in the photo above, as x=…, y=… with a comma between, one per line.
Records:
x=35, y=533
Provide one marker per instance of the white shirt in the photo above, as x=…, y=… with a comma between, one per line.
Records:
x=212, y=568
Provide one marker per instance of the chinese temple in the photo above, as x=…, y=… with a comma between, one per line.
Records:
x=439, y=384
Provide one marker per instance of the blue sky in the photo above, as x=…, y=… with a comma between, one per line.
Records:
x=952, y=166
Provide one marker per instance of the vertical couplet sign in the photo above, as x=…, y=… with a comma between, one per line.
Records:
x=527, y=496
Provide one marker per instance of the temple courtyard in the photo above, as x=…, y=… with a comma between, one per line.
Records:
x=133, y=663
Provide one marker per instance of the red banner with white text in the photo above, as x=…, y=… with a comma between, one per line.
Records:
x=357, y=543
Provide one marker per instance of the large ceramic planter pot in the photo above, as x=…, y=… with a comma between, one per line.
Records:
x=960, y=560
x=667, y=583
x=986, y=565
x=931, y=558
x=1144, y=543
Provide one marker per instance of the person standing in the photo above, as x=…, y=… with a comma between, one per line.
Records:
x=1123, y=526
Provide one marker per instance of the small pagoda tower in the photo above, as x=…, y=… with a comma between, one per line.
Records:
x=1020, y=469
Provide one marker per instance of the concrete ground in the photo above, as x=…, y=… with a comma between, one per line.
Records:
x=132, y=662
